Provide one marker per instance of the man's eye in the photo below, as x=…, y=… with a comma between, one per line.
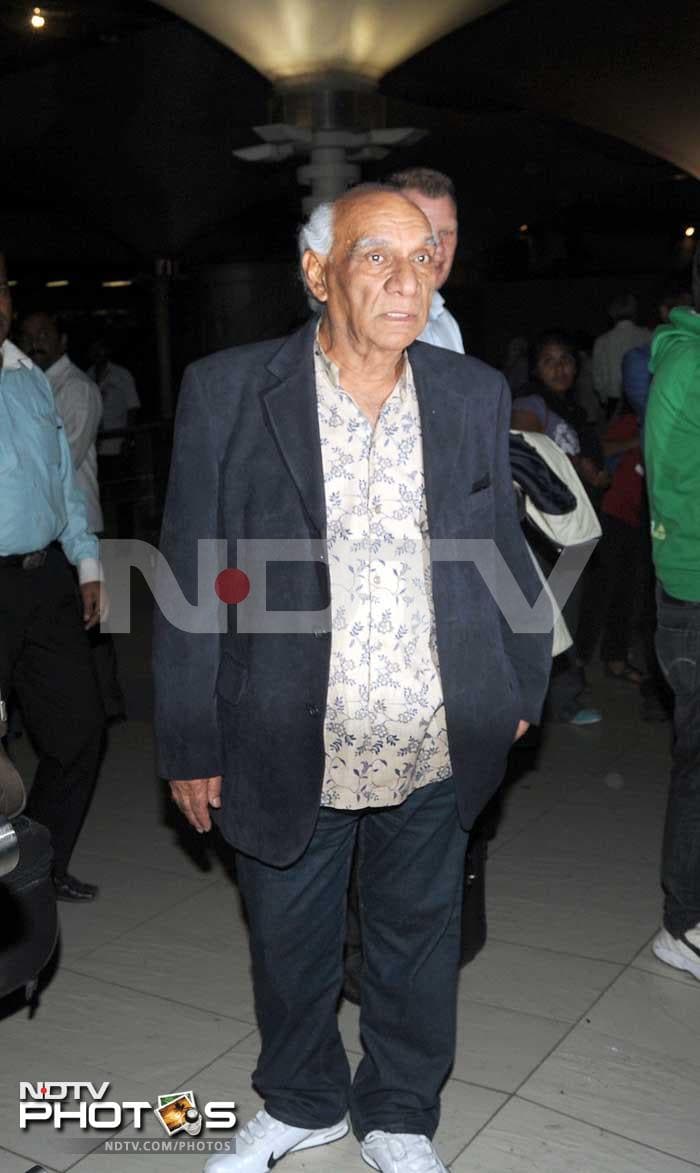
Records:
x=376, y=258
x=424, y=258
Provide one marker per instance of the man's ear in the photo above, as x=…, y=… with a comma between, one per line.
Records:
x=314, y=268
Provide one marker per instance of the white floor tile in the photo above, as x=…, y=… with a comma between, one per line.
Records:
x=9, y=1163
x=535, y=981
x=499, y=1048
x=524, y=1138
x=597, y=908
x=86, y=1029
x=198, y=952
x=633, y=1065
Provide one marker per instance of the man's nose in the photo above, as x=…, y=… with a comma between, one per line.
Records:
x=403, y=278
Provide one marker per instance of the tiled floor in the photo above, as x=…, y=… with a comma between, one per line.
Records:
x=578, y=1052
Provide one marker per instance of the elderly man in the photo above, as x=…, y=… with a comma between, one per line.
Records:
x=434, y=193
x=391, y=728
x=44, y=653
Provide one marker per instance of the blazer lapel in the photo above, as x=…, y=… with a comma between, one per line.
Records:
x=443, y=411
x=293, y=416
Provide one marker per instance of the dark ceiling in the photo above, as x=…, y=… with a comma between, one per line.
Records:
x=119, y=123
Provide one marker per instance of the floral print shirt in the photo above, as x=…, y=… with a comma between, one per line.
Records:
x=385, y=733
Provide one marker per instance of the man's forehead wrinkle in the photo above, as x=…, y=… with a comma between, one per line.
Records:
x=364, y=242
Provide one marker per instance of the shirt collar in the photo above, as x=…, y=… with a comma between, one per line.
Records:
x=330, y=370
x=59, y=367
x=13, y=358
x=437, y=306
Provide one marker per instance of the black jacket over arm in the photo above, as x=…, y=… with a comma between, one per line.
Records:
x=247, y=464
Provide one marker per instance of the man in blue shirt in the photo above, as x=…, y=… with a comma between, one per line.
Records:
x=636, y=376
x=44, y=653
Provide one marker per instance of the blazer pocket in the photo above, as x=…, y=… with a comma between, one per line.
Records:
x=479, y=486
x=231, y=680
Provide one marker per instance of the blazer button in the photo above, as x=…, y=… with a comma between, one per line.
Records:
x=313, y=710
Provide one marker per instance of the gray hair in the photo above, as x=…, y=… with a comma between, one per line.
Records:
x=316, y=234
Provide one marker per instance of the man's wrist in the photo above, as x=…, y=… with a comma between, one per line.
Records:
x=90, y=570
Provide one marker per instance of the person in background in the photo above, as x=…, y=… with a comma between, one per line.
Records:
x=120, y=400
x=656, y=696
x=609, y=597
x=121, y=406
x=547, y=405
x=584, y=391
x=44, y=653
x=610, y=348
x=636, y=375
x=434, y=193
x=516, y=367
x=672, y=455
x=77, y=398
x=79, y=404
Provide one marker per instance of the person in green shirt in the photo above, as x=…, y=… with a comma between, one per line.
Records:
x=672, y=457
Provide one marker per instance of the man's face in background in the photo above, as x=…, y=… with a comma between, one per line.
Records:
x=41, y=340
x=442, y=217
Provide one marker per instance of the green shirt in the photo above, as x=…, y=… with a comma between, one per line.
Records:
x=672, y=453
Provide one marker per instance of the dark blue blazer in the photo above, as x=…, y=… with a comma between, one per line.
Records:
x=247, y=464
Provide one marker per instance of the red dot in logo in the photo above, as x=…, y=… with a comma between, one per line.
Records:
x=232, y=586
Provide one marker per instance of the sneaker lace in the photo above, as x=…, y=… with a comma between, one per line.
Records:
x=256, y=1128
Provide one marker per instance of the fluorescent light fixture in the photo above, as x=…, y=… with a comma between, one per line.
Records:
x=57, y=284
x=303, y=40
x=13, y=283
x=117, y=283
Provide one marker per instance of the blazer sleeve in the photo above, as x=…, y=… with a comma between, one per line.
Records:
x=186, y=663
x=530, y=652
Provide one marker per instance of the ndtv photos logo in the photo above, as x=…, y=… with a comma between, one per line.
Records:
x=85, y=1104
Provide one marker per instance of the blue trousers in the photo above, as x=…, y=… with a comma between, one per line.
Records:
x=678, y=650
x=411, y=870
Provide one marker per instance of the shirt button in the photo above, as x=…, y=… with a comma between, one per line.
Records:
x=313, y=710
x=377, y=509
x=377, y=580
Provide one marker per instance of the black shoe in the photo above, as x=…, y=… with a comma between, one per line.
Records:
x=67, y=887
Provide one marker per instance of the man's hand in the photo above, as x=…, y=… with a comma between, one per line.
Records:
x=95, y=603
x=194, y=797
x=523, y=727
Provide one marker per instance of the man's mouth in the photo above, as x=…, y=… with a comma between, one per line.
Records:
x=398, y=316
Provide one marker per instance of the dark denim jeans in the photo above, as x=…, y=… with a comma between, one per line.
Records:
x=411, y=869
x=678, y=649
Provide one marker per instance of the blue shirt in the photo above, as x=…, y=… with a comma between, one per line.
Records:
x=636, y=379
x=39, y=500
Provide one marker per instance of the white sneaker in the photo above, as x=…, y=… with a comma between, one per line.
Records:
x=401, y=1152
x=264, y=1141
x=682, y=952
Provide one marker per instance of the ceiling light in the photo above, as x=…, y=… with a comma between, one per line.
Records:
x=523, y=228
x=57, y=284
x=120, y=283
x=690, y=230
x=36, y=20
x=12, y=283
